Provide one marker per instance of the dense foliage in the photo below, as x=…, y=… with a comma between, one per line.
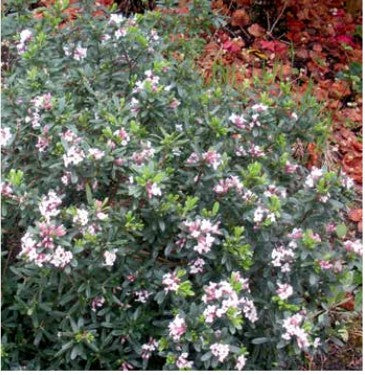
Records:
x=151, y=222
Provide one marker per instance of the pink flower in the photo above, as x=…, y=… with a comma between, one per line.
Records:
x=182, y=363
x=97, y=302
x=142, y=295
x=80, y=53
x=61, y=257
x=330, y=228
x=193, y=158
x=297, y=233
x=212, y=158
x=239, y=121
x=354, y=246
x=292, y=328
x=152, y=189
x=174, y=104
x=197, y=266
x=325, y=265
x=126, y=366
x=290, y=168
x=177, y=328
x=122, y=32
x=148, y=348
x=73, y=156
x=210, y=313
x=255, y=151
x=49, y=205
x=171, y=282
x=241, y=362
x=5, y=136
x=123, y=136
x=284, y=291
x=259, y=107
x=96, y=154
x=6, y=190
x=220, y=351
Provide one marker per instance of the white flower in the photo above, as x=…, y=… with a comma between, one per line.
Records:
x=102, y=216
x=313, y=177
x=61, y=257
x=259, y=107
x=354, y=246
x=120, y=33
x=116, y=19
x=142, y=296
x=96, y=153
x=81, y=217
x=197, y=266
x=258, y=214
x=5, y=136
x=220, y=351
x=25, y=35
x=110, y=258
x=73, y=156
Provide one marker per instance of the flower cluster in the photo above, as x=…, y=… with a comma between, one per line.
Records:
x=149, y=348
x=49, y=205
x=177, y=328
x=354, y=246
x=149, y=83
x=182, y=362
x=211, y=158
x=32, y=252
x=203, y=232
x=229, y=183
x=220, y=351
x=5, y=136
x=225, y=298
x=284, y=291
x=282, y=257
x=78, y=52
x=171, y=282
x=110, y=257
x=25, y=36
x=293, y=329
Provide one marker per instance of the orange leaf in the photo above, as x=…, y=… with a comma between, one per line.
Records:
x=355, y=215
x=256, y=30
x=240, y=18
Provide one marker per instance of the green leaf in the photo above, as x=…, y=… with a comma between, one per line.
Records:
x=260, y=340
x=341, y=230
x=89, y=195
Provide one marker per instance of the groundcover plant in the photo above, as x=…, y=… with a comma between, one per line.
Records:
x=151, y=222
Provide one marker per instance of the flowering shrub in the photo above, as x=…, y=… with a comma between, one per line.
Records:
x=154, y=223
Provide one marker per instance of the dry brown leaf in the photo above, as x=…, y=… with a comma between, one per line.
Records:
x=240, y=18
x=256, y=30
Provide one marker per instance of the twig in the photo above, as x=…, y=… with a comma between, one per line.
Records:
x=278, y=18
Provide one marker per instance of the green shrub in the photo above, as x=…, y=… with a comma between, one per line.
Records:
x=152, y=223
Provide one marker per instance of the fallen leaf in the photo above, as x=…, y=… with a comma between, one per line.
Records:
x=240, y=18
x=355, y=215
x=256, y=30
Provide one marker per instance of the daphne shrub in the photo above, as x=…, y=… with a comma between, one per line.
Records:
x=151, y=222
